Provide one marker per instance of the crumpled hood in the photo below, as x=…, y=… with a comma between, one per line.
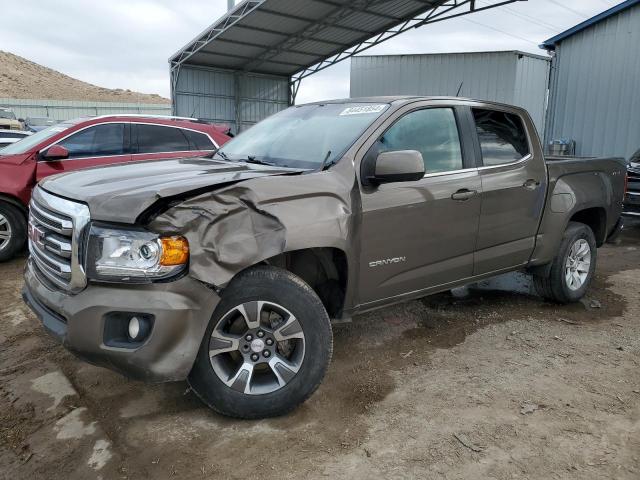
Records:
x=120, y=193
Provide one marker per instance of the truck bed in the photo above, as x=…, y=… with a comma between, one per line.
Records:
x=559, y=166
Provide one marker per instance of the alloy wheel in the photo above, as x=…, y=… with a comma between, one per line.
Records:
x=578, y=264
x=257, y=347
x=5, y=232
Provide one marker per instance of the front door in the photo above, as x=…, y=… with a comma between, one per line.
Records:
x=421, y=234
x=93, y=146
x=514, y=183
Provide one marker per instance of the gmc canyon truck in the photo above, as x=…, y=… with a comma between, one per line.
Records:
x=228, y=270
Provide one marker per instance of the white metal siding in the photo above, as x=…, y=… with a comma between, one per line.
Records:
x=508, y=77
x=224, y=96
x=207, y=94
x=261, y=97
x=595, y=88
x=531, y=88
x=67, y=110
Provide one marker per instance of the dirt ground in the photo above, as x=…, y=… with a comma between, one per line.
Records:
x=488, y=382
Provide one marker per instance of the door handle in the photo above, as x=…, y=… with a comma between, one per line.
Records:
x=464, y=194
x=531, y=184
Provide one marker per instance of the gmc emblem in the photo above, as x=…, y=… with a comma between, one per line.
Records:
x=35, y=234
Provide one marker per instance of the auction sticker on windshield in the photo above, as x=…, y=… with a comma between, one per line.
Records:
x=363, y=109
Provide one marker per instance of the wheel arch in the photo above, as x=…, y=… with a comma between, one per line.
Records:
x=324, y=269
x=596, y=219
x=11, y=200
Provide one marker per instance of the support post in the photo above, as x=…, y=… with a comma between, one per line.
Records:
x=236, y=88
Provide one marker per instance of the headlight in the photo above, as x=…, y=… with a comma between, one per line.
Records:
x=134, y=255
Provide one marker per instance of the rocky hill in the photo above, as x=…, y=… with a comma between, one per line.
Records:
x=20, y=78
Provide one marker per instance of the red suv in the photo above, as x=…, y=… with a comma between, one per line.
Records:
x=90, y=142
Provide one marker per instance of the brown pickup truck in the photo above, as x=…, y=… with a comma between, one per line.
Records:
x=228, y=270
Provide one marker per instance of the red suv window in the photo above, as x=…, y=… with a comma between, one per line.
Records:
x=96, y=141
x=158, y=139
x=199, y=141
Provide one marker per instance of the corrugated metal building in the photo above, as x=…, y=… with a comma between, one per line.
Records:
x=224, y=96
x=249, y=63
x=512, y=77
x=595, y=83
x=66, y=110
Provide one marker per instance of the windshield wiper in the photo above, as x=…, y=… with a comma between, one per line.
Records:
x=326, y=163
x=248, y=159
x=221, y=153
x=254, y=160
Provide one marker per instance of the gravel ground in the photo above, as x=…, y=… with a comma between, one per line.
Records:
x=484, y=382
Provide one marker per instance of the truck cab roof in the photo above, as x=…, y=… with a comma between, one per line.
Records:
x=404, y=99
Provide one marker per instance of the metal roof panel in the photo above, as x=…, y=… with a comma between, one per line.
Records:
x=552, y=42
x=291, y=36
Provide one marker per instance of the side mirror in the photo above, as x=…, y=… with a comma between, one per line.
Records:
x=55, y=152
x=21, y=120
x=399, y=166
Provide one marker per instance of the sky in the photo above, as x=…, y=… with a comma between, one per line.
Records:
x=126, y=43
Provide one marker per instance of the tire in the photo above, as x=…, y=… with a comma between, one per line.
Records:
x=13, y=231
x=556, y=286
x=299, y=353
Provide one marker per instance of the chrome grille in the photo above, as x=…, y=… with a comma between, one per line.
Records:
x=56, y=226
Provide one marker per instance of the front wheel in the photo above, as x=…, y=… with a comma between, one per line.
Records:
x=13, y=231
x=267, y=346
x=573, y=267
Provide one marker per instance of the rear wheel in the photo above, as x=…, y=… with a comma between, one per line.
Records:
x=267, y=346
x=573, y=268
x=13, y=231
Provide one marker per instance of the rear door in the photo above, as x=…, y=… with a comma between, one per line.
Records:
x=166, y=141
x=421, y=234
x=96, y=145
x=514, y=184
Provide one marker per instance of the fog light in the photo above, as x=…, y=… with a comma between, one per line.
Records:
x=134, y=328
x=127, y=329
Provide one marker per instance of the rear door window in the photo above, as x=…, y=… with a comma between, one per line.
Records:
x=159, y=139
x=502, y=136
x=199, y=141
x=97, y=141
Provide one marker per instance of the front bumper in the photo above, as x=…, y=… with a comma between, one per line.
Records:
x=181, y=310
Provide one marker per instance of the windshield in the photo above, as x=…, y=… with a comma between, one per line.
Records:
x=7, y=114
x=306, y=137
x=23, y=146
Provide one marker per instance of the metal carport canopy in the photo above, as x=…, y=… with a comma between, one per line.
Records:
x=297, y=38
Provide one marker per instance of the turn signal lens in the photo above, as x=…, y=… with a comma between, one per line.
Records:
x=175, y=251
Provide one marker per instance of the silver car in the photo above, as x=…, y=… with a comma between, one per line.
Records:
x=7, y=137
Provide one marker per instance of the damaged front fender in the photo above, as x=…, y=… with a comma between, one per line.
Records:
x=241, y=225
